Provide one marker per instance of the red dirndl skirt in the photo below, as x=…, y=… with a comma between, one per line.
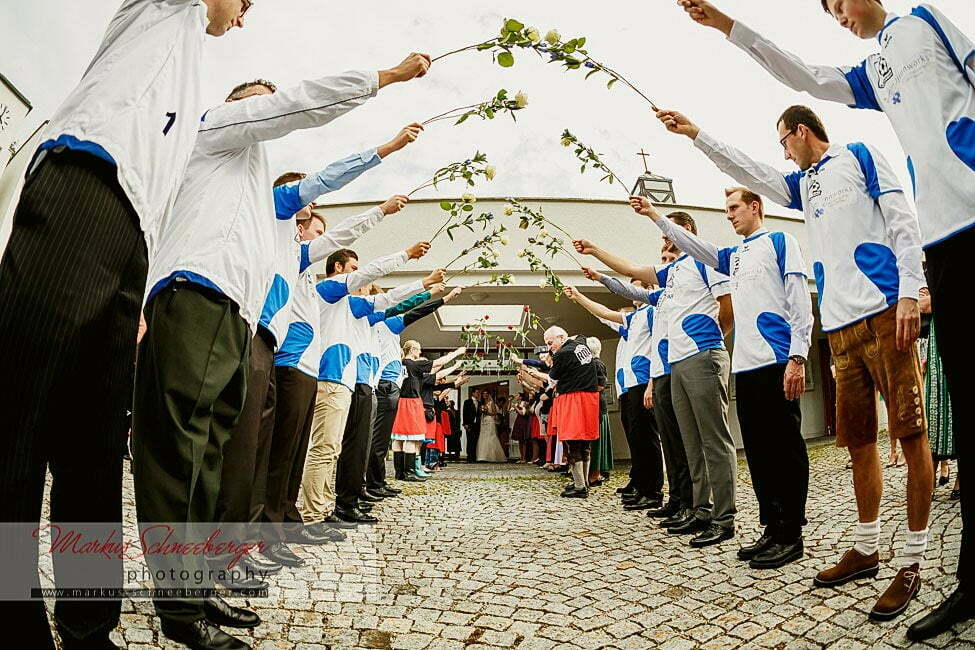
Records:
x=410, y=422
x=576, y=416
x=443, y=430
x=535, y=428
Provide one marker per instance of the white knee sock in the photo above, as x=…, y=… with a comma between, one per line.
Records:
x=577, y=476
x=867, y=537
x=913, y=550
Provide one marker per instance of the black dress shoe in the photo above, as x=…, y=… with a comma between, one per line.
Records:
x=643, y=503
x=576, y=494
x=390, y=488
x=355, y=516
x=669, y=510
x=682, y=517
x=308, y=536
x=201, y=635
x=365, y=506
x=369, y=498
x=712, y=535
x=260, y=564
x=219, y=612
x=334, y=522
x=958, y=607
x=691, y=524
x=321, y=529
x=412, y=478
x=280, y=553
x=626, y=488
x=749, y=551
x=777, y=555
x=382, y=493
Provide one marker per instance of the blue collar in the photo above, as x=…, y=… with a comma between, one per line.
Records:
x=758, y=233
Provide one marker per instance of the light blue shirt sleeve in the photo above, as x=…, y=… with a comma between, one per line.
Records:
x=336, y=175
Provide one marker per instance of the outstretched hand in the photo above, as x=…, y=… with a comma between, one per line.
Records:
x=584, y=246
x=705, y=13
x=571, y=293
x=678, y=123
x=592, y=274
x=394, y=204
x=406, y=135
x=413, y=66
x=642, y=205
x=418, y=250
x=453, y=294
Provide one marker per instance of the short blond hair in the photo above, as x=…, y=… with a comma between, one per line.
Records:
x=748, y=197
x=410, y=346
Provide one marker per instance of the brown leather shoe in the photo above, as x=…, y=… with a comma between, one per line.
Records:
x=850, y=567
x=898, y=594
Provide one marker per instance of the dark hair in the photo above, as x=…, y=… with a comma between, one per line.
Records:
x=288, y=177
x=236, y=92
x=796, y=115
x=748, y=197
x=339, y=257
x=684, y=220
x=826, y=5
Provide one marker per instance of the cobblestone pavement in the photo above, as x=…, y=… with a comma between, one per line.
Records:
x=488, y=556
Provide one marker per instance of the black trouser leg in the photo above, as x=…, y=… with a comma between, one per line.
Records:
x=771, y=430
x=350, y=470
x=646, y=441
x=678, y=473
x=293, y=414
x=472, y=436
x=265, y=439
x=71, y=284
x=189, y=394
x=387, y=399
x=240, y=471
x=635, y=466
x=950, y=300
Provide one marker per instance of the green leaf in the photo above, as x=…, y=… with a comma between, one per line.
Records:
x=467, y=207
x=513, y=25
x=506, y=59
x=446, y=205
x=580, y=41
x=462, y=118
x=592, y=72
x=611, y=82
x=489, y=113
x=487, y=46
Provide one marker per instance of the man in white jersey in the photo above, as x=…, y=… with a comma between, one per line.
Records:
x=865, y=244
x=344, y=403
x=679, y=509
x=698, y=311
x=773, y=325
x=247, y=454
x=206, y=288
x=923, y=78
x=642, y=439
x=105, y=174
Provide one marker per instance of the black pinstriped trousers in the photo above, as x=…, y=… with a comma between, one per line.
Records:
x=71, y=284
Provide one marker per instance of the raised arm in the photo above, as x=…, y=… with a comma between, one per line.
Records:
x=593, y=307
x=646, y=273
x=624, y=289
x=428, y=308
x=446, y=372
x=701, y=250
x=825, y=82
x=447, y=358
x=760, y=177
x=346, y=232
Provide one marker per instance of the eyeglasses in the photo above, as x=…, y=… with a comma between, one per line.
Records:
x=245, y=5
x=786, y=137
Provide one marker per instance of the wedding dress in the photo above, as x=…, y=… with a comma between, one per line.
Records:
x=488, y=446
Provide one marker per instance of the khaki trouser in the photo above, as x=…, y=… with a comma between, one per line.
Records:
x=317, y=495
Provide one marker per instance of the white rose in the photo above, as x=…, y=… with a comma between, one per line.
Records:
x=521, y=99
x=533, y=35
x=566, y=142
x=522, y=253
x=504, y=241
x=542, y=234
x=468, y=198
x=542, y=284
x=508, y=210
x=490, y=171
x=552, y=37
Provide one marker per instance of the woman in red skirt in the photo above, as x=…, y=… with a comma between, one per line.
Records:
x=411, y=424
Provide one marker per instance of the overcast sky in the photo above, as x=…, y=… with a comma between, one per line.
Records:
x=46, y=45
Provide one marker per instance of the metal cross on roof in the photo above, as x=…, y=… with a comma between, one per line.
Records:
x=643, y=154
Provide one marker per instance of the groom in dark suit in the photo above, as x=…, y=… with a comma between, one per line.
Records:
x=471, y=420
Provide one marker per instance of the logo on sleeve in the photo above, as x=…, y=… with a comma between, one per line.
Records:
x=815, y=189
x=884, y=72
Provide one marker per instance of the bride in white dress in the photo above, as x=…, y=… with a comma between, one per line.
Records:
x=488, y=446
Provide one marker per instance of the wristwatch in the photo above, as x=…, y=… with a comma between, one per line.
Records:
x=801, y=360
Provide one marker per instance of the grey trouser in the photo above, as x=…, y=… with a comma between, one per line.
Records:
x=699, y=391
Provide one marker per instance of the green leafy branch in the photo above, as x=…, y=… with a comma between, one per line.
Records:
x=485, y=110
x=536, y=264
x=590, y=158
x=571, y=54
x=487, y=251
x=465, y=207
x=468, y=170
